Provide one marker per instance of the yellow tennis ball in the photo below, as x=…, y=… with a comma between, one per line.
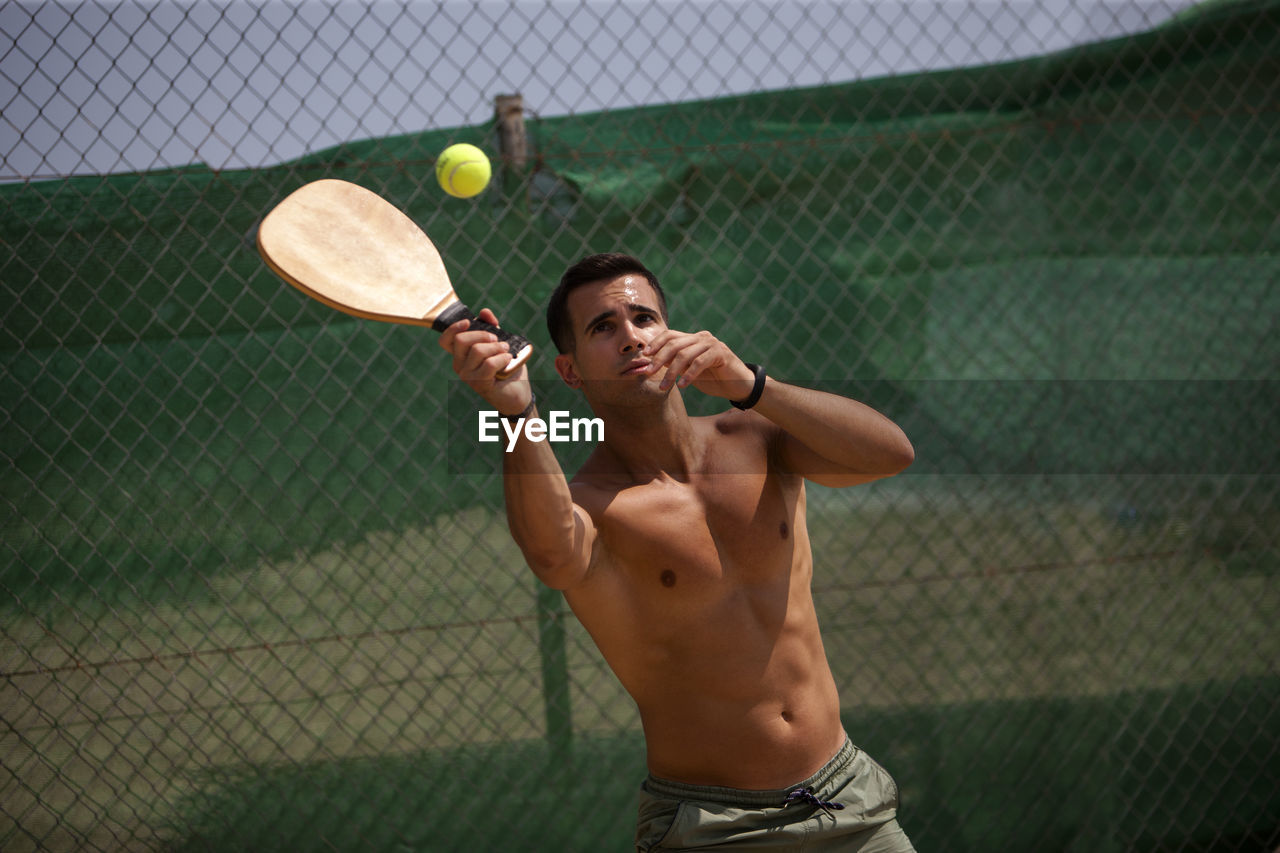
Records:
x=463, y=170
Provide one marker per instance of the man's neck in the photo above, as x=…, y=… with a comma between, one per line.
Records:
x=652, y=441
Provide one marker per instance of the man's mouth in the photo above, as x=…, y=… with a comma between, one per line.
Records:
x=636, y=367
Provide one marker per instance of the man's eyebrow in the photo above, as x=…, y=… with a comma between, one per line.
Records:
x=633, y=307
x=603, y=315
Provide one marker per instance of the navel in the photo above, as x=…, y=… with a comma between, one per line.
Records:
x=668, y=578
x=783, y=530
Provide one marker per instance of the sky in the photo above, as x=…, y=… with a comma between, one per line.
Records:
x=95, y=88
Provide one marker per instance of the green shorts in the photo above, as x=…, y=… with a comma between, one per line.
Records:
x=851, y=804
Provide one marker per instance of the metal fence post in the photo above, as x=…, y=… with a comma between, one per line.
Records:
x=555, y=674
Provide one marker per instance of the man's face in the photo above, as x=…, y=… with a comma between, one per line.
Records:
x=611, y=320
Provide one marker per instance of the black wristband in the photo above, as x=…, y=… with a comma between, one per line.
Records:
x=527, y=409
x=756, y=390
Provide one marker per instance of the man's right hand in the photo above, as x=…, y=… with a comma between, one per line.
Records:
x=477, y=358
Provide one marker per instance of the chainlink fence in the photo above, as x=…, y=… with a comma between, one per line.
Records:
x=256, y=589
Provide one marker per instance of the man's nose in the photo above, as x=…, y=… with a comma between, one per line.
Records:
x=631, y=338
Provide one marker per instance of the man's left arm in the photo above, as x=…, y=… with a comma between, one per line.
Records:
x=832, y=440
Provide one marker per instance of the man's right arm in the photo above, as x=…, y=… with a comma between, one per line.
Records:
x=555, y=535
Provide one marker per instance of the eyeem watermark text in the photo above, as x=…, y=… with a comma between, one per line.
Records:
x=557, y=427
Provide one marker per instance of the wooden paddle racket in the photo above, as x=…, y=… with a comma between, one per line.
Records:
x=353, y=250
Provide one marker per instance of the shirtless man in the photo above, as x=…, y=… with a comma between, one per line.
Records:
x=681, y=546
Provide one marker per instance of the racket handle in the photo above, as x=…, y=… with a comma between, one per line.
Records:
x=517, y=345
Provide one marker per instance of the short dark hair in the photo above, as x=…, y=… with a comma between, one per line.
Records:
x=593, y=268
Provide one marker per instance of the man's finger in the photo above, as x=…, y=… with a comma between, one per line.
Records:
x=666, y=347
x=451, y=332
x=706, y=359
x=692, y=358
x=497, y=362
x=481, y=352
x=659, y=340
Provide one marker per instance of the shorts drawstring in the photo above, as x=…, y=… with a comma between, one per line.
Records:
x=806, y=795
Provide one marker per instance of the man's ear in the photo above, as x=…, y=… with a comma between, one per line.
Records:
x=568, y=371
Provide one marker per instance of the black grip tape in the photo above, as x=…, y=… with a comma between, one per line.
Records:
x=457, y=311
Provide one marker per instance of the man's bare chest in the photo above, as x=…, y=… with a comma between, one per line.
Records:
x=706, y=532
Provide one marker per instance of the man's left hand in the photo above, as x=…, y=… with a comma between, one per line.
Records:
x=701, y=360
